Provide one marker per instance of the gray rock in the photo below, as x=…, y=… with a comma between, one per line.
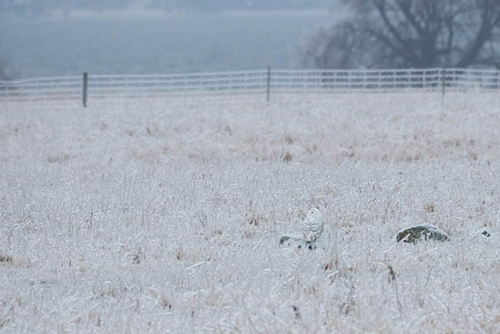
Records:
x=289, y=239
x=484, y=232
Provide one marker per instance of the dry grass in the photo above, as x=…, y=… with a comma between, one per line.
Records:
x=165, y=216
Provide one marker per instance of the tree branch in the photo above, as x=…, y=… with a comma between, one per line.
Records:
x=489, y=20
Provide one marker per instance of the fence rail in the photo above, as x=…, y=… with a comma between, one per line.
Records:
x=265, y=82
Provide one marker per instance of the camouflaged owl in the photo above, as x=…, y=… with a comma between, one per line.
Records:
x=312, y=228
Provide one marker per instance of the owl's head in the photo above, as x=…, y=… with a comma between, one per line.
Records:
x=315, y=214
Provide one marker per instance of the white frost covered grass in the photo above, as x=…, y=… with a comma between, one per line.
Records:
x=165, y=215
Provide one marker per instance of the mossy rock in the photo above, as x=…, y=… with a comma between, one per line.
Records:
x=422, y=232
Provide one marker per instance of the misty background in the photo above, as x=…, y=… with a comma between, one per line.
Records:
x=41, y=38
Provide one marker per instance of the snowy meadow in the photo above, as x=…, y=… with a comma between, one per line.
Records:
x=165, y=215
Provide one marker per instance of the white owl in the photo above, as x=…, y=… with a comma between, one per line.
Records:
x=313, y=227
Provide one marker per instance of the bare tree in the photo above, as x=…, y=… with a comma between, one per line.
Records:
x=410, y=34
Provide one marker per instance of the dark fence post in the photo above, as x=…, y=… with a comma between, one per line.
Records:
x=268, y=82
x=443, y=80
x=496, y=79
x=85, y=88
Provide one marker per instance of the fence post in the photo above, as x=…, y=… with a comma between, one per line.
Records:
x=85, y=88
x=443, y=80
x=497, y=79
x=268, y=82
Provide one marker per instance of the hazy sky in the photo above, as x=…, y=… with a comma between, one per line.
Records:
x=228, y=35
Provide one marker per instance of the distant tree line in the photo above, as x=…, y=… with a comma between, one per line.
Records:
x=218, y=5
x=38, y=8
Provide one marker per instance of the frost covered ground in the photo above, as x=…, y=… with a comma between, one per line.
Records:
x=163, y=216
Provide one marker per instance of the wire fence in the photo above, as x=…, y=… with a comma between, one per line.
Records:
x=260, y=82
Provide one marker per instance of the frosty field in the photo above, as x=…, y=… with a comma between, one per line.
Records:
x=160, y=216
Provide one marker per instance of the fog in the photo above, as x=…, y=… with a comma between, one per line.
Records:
x=64, y=38
x=34, y=8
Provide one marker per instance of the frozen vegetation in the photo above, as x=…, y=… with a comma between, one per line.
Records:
x=162, y=216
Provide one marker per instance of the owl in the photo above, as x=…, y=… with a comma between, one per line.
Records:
x=312, y=228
